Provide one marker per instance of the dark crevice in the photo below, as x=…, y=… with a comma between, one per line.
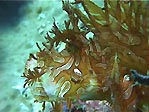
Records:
x=10, y=13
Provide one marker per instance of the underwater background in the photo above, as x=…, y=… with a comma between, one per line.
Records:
x=22, y=24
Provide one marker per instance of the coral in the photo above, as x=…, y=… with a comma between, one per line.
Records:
x=94, y=66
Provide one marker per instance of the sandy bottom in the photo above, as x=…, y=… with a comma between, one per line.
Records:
x=16, y=42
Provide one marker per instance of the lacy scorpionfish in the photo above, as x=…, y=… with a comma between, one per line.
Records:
x=95, y=67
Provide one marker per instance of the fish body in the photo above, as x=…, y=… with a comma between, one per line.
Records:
x=142, y=79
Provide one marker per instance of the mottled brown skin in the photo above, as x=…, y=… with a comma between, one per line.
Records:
x=117, y=34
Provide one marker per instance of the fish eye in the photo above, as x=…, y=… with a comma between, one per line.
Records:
x=77, y=72
x=126, y=77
